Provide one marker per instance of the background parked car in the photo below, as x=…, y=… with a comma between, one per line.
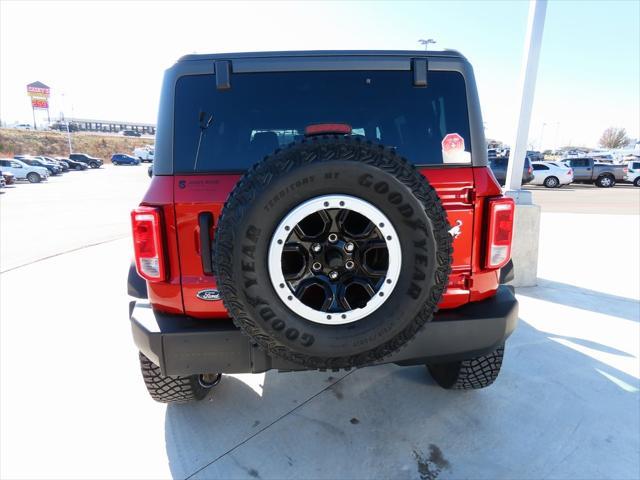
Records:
x=73, y=165
x=63, y=164
x=22, y=171
x=633, y=172
x=586, y=170
x=23, y=126
x=499, y=169
x=36, y=162
x=551, y=175
x=144, y=154
x=50, y=161
x=89, y=160
x=124, y=159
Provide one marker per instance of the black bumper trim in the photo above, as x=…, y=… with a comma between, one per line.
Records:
x=182, y=345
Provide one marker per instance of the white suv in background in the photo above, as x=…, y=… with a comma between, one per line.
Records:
x=633, y=172
x=144, y=154
x=22, y=171
x=551, y=174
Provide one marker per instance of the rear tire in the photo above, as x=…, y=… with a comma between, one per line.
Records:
x=605, y=181
x=34, y=177
x=636, y=182
x=551, y=182
x=78, y=167
x=165, y=389
x=471, y=374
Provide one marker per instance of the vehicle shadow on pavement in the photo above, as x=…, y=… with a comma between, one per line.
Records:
x=584, y=299
x=554, y=411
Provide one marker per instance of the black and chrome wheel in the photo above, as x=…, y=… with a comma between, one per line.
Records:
x=332, y=253
x=334, y=259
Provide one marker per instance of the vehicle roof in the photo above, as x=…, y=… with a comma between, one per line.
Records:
x=322, y=53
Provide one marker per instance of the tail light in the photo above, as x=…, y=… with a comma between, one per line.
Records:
x=147, y=243
x=570, y=172
x=501, y=212
x=530, y=169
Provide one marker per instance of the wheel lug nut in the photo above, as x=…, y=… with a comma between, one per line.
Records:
x=333, y=238
x=316, y=247
x=316, y=266
x=349, y=247
x=333, y=275
x=349, y=265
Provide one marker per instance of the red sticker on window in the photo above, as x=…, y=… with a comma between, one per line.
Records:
x=452, y=142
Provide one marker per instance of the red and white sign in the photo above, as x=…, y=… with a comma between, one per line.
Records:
x=39, y=102
x=39, y=93
x=452, y=142
x=453, y=149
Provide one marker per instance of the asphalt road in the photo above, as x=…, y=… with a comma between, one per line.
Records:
x=73, y=404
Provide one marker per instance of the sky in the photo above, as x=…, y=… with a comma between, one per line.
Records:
x=105, y=60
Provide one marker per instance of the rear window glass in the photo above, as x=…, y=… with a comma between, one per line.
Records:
x=230, y=130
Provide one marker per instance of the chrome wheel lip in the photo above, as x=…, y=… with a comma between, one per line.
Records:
x=337, y=201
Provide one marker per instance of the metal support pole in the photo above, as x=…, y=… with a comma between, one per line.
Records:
x=33, y=111
x=530, y=60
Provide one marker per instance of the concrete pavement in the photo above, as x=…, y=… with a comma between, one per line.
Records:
x=67, y=212
x=73, y=405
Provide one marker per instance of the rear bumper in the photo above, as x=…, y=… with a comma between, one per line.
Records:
x=181, y=345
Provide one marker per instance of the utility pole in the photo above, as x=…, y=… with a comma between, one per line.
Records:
x=426, y=43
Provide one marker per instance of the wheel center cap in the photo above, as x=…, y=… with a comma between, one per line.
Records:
x=334, y=257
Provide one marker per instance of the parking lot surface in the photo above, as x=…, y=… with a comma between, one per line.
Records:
x=623, y=199
x=73, y=405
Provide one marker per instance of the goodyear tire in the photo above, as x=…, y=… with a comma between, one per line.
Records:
x=352, y=223
x=182, y=389
x=471, y=374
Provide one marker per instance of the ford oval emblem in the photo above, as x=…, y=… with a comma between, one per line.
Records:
x=210, y=295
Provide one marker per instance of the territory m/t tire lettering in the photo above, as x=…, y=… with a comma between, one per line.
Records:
x=332, y=253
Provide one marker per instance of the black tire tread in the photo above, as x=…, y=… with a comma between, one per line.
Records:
x=259, y=176
x=472, y=374
x=167, y=389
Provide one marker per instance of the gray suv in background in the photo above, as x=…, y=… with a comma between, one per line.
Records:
x=499, y=168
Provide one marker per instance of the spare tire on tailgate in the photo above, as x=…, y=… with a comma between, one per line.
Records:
x=332, y=253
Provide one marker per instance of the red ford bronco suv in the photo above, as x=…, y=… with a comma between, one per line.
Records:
x=320, y=210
